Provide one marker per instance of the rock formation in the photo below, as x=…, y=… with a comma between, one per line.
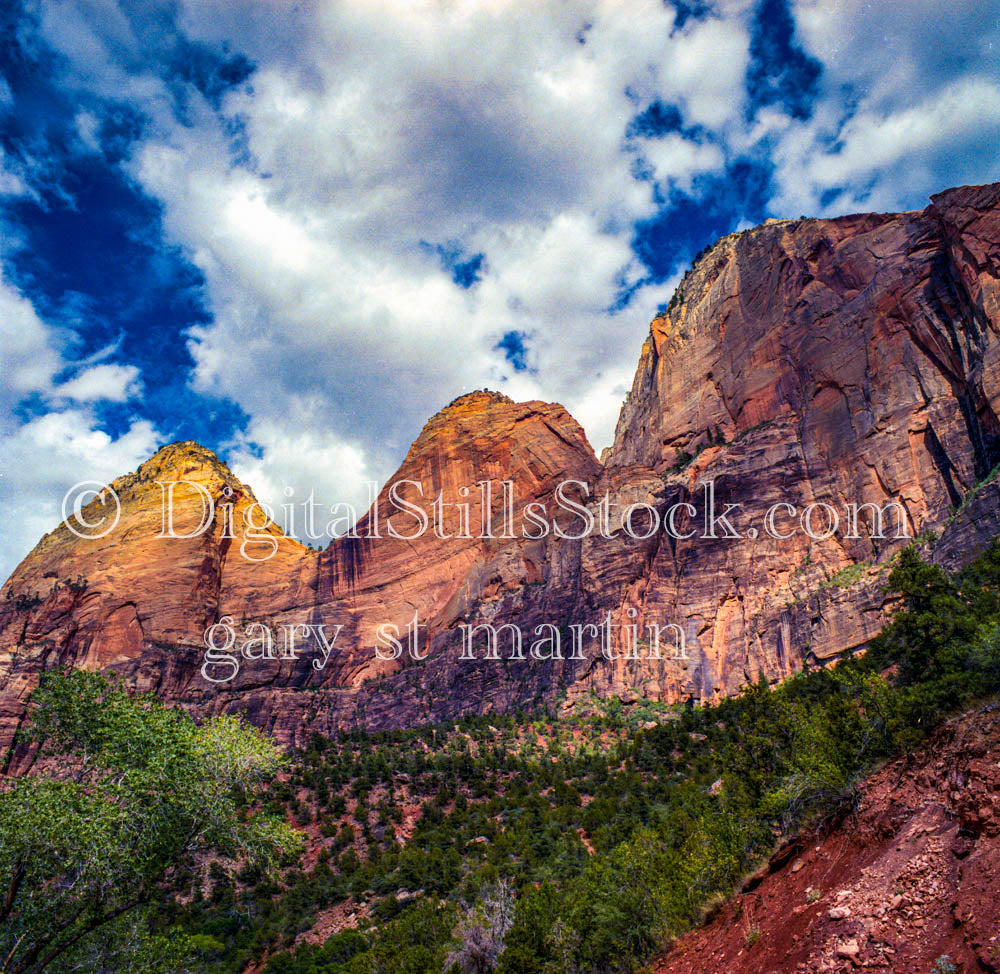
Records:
x=839, y=362
x=812, y=363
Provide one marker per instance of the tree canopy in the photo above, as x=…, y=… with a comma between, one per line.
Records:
x=133, y=793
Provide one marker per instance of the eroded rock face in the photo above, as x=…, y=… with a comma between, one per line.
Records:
x=839, y=362
x=809, y=362
x=139, y=603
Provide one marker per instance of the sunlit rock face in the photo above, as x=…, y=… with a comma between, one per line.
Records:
x=139, y=599
x=837, y=362
x=817, y=364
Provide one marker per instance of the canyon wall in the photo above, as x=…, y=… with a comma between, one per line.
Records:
x=813, y=363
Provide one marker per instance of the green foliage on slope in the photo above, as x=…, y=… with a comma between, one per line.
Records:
x=615, y=828
x=677, y=813
x=143, y=793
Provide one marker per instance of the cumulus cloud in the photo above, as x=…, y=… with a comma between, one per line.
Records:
x=58, y=440
x=30, y=352
x=876, y=149
x=393, y=133
x=305, y=470
x=390, y=203
x=108, y=383
x=45, y=457
x=909, y=106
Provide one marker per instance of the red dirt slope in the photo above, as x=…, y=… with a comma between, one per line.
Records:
x=911, y=877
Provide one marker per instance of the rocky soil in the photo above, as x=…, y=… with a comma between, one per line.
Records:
x=908, y=880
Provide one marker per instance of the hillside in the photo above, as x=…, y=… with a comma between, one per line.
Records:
x=585, y=845
x=908, y=879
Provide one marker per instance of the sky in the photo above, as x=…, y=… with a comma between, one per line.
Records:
x=293, y=231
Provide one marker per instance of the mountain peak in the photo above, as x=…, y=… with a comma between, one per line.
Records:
x=182, y=460
x=475, y=401
x=806, y=362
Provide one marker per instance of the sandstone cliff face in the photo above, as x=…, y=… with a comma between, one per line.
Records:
x=816, y=362
x=139, y=603
x=809, y=362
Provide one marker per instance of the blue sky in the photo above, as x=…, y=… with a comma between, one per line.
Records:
x=294, y=232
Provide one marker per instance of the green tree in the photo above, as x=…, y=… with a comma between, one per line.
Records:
x=140, y=794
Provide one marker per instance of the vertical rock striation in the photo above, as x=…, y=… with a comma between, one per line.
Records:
x=812, y=363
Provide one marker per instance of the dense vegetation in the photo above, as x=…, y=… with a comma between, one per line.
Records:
x=614, y=829
x=142, y=795
x=531, y=845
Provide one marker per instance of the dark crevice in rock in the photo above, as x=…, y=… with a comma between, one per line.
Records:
x=942, y=463
x=955, y=307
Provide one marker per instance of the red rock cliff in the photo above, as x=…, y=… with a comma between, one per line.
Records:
x=807, y=362
x=816, y=362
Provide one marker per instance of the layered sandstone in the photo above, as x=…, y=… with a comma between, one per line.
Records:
x=836, y=362
x=138, y=602
x=806, y=362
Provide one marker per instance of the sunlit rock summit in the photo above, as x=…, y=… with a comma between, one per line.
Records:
x=817, y=364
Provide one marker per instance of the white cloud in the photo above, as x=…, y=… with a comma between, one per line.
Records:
x=909, y=106
x=11, y=182
x=87, y=128
x=396, y=124
x=893, y=54
x=369, y=131
x=876, y=143
x=676, y=160
x=108, y=383
x=297, y=465
x=44, y=458
x=30, y=351
x=42, y=454
x=704, y=70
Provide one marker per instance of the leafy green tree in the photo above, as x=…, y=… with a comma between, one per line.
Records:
x=527, y=944
x=140, y=793
x=413, y=943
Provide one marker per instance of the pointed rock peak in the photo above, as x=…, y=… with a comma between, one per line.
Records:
x=493, y=415
x=472, y=407
x=486, y=431
x=184, y=460
x=475, y=401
